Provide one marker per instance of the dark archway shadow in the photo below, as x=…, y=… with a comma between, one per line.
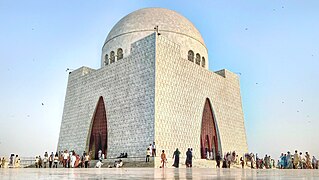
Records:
x=209, y=136
x=98, y=134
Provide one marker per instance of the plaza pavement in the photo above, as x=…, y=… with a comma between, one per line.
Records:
x=155, y=173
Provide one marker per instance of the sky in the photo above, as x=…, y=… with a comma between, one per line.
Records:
x=273, y=45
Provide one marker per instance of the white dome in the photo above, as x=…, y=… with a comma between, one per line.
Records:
x=146, y=19
x=141, y=23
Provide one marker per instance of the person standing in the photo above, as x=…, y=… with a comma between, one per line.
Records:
x=314, y=163
x=308, y=161
x=148, y=154
x=151, y=149
x=40, y=162
x=176, y=156
x=50, y=161
x=301, y=161
x=72, y=160
x=17, y=162
x=189, y=158
x=100, y=154
x=242, y=162
x=45, y=160
x=154, y=149
x=56, y=159
x=218, y=158
x=163, y=159
x=296, y=160
x=289, y=161
x=65, y=158
x=86, y=160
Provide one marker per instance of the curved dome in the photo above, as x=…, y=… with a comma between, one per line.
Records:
x=146, y=19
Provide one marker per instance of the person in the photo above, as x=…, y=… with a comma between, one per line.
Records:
x=278, y=164
x=163, y=159
x=285, y=161
x=100, y=154
x=36, y=161
x=118, y=164
x=99, y=164
x=296, y=160
x=242, y=162
x=46, y=154
x=17, y=162
x=301, y=161
x=154, y=149
x=50, y=161
x=148, y=154
x=189, y=158
x=314, y=163
x=228, y=160
x=45, y=160
x=218, y=158
x=308, y=162
x=65, y=158
x=176, y=156
x=40, y=162
x=266, y=161
x=86, y=160
x=289, y=161
x=224, y=163
x=281, y=161
x=3, y=162
x=72, y=160
x=56, y=159
x=151, y=149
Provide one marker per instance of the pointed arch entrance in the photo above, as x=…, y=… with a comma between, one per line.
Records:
x=98, y=135
x=209, y=137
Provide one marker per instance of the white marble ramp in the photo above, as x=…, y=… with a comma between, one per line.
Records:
x=152, y=173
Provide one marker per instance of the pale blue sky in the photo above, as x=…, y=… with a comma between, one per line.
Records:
x=272, y=43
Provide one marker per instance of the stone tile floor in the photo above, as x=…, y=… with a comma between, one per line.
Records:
x=150, y=173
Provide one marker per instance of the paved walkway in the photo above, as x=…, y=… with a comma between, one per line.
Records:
x=150, y=173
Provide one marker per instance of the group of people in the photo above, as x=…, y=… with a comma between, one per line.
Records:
x=68, y=159
x=150, y=151
x=14, y=162
x=297, y=161
x=176, y=155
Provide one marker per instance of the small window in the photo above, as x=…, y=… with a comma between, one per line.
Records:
x=112, y=57
x=119, y=53
x=106, y=60
x=191, y=55
x=198, y=59
x=203, y=62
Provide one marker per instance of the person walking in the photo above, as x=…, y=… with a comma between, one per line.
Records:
x=148, y=154
x=163, y=159
x=176, y=156
x=218, y=158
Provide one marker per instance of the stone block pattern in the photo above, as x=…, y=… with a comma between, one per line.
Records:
x=128, y=89
x=180, y=92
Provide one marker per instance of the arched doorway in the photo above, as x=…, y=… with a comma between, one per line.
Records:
x=208, y=138
x=98, y=136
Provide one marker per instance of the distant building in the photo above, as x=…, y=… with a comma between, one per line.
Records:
x=153, y=86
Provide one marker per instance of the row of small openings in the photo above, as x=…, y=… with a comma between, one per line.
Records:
x=111, y=60
x=198, y=60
